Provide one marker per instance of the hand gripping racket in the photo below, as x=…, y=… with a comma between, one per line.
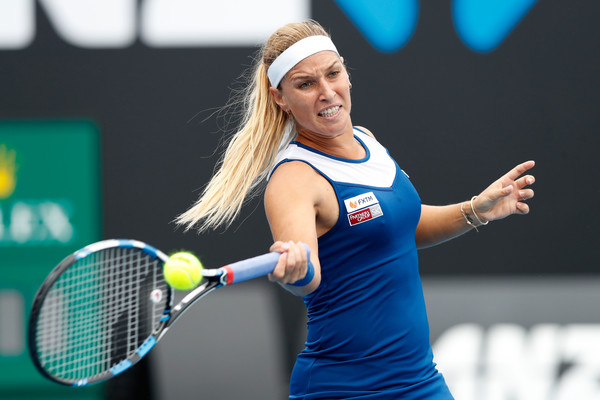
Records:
x=106, y=306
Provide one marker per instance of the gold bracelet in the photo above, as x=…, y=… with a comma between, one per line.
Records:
x=467, y=218
x=475, y=214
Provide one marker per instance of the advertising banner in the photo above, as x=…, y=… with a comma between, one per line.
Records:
x=50, y=206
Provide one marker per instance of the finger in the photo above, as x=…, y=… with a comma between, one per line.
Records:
x=525, y=194
x=280, y=246
x=291, y=268
x=522, y=208
x=519, y=170
x=279, y=270
x=300, y=260
x=303, y=259
x=495, y=195
x=303, y=256
x=525, y=181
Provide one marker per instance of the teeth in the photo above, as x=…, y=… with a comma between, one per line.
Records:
x=330, y=111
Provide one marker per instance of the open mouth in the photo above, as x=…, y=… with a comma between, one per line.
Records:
x=330, y=111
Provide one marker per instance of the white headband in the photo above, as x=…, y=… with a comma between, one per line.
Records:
x=296, y=53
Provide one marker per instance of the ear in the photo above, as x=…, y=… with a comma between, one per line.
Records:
x=278, y=97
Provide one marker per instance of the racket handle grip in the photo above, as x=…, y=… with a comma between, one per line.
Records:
x=256, y=267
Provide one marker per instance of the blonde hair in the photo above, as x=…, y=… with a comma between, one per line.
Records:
x=251, y=152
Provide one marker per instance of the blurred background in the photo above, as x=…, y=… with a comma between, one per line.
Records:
x=108, y=129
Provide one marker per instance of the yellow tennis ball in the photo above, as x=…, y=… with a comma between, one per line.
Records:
x=183, y=271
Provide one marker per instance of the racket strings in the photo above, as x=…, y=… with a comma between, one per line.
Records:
x=99, y=312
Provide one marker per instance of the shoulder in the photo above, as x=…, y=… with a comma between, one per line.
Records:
x=295, y=183
x=365, y=130
x=293, y=193
x=293, y=175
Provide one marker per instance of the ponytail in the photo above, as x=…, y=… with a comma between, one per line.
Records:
x=264, y=129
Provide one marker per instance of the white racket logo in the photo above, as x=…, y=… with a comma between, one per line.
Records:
x=156, y=296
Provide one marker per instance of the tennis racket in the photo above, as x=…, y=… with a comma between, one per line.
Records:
x=106, y=306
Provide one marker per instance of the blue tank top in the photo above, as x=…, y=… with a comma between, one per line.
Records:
x=368, y=335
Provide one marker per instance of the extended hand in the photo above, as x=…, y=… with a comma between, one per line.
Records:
x=505, y=196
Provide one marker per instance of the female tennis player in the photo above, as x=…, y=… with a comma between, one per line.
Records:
x=334, y=187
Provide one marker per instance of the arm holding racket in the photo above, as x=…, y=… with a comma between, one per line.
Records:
x=294, y=204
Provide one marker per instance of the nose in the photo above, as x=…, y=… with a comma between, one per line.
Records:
x=327, y=92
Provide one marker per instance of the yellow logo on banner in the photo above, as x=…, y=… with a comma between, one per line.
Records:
x=8, y=177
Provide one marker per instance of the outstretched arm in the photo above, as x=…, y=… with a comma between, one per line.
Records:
x=502, y=198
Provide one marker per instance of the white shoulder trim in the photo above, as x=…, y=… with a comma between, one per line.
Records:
x=378, y=169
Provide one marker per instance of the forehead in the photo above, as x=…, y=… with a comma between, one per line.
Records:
x=315, y=62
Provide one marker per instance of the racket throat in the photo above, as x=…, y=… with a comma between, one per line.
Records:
x=189, y=300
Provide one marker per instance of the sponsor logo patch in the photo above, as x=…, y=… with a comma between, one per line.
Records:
x=362, y=208
x=360, y=201
x=364, y=215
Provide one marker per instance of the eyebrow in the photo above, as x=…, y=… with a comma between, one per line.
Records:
x=302, y=76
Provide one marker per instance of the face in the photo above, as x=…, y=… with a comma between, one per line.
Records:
x=317, y=93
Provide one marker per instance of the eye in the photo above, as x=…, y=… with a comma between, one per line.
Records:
x=304, y=85
x=333, y=74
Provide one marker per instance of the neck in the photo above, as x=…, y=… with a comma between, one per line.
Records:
x=343, y=145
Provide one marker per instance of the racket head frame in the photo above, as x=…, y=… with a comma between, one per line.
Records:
x=58, y=272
